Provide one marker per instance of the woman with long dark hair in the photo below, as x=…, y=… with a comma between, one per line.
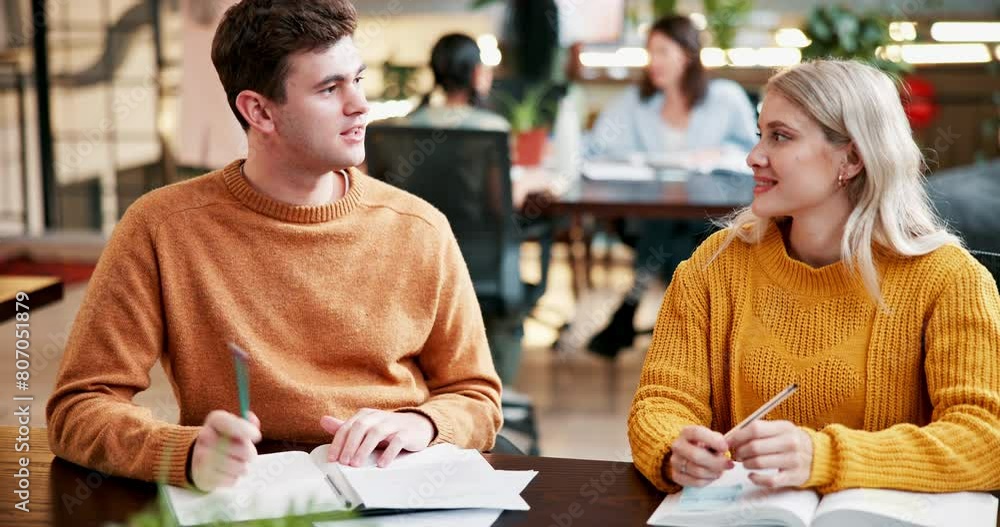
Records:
x=675, y=111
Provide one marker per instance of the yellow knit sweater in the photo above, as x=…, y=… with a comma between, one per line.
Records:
x=364, y=302
x=906, y=399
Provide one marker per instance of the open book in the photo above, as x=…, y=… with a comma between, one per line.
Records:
x=296, y=483
x=735, y=500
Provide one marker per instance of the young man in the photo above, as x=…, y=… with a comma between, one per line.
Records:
x=350, y=296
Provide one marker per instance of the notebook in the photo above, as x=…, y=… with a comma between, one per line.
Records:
x=735, y=500
x=296, y=483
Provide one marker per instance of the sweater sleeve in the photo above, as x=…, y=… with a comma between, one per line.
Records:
x=464, y=402
x=674, y=388
x=956, y=451
x=116, y=339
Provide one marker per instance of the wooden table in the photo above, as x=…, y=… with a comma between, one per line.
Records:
x=41, y=290
x=673, y=195
x=566, y=492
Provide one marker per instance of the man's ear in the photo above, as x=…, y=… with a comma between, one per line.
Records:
x=255, y=110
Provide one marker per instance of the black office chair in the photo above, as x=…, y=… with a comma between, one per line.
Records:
x=466, y=175
x=991, y=261
x=967, y=197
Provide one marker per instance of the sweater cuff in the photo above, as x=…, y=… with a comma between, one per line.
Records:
x=172, y=458
x=667, y=485
x=823, y=463
x=654, y=463
x=443, y=431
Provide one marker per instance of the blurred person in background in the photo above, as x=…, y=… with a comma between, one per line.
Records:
x=465, y=82
x=675, y=112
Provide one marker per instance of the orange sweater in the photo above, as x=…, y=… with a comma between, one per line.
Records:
x=908, y=399
x=364, y=302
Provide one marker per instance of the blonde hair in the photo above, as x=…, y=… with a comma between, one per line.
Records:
x=855, y=103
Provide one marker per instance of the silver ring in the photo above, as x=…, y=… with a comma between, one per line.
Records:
x=684, y=467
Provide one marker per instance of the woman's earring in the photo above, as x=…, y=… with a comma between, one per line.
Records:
x=840, y=180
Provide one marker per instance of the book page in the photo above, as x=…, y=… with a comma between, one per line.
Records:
x=873, y=507
x=735, y=500
x=276, y=485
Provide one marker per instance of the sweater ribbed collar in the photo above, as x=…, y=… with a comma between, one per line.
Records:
x=799, y=277
x=256, y=201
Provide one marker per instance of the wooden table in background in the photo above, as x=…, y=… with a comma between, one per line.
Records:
x=674, y=194
x=41, y=290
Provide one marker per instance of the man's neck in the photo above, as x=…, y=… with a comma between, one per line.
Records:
x=291, y=184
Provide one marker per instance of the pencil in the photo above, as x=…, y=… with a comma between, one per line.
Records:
x=764, y=409
x=240, y=359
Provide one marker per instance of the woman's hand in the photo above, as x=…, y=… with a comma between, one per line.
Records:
x=774, y=444
x=698, y=457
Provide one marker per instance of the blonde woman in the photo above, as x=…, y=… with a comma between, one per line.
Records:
x=838, y=277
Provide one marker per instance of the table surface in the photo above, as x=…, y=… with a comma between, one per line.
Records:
x=565, y=491
x=675, y=194
x=42, y=290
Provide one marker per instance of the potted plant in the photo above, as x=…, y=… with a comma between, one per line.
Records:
x=724, y=17
x=529, y=117
x=838, y=32
x=663, y=8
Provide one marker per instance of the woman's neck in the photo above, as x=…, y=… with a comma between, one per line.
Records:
x=815, y=243
x=675, y=111
x=457, y=99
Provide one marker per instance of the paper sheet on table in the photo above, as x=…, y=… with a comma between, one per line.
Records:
x=467, y=483
x=610, y=171
x=517, y=481
x=456, y=518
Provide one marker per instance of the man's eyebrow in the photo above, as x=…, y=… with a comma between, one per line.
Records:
x=338, y=77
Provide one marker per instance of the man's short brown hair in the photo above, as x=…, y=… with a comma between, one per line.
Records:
x=255, y=39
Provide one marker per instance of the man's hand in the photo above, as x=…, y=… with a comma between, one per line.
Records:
x=774, y=444
x=223, y=449
x=356, y=438
x=697, y=457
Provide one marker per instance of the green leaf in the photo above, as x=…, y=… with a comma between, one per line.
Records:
x=476, y=4
x=846, y=27
x=873, y=34
x=663, y=8
x=817, y=28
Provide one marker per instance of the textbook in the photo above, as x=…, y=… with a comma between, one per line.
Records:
x=296, y=483
x=735, y=500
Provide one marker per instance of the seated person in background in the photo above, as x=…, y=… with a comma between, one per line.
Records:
x=465, y=82
x=676, y=112
x=840, y=278
x=353, y=338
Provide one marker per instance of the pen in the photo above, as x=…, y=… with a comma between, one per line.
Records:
x=760, y=412
x=240, y=359
x=764, y=409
